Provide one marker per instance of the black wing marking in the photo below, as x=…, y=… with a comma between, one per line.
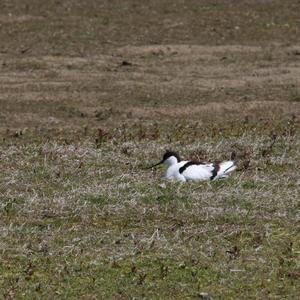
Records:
x=190, y=163
x=216, y=168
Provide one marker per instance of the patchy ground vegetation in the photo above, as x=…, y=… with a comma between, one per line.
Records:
x=92, y=94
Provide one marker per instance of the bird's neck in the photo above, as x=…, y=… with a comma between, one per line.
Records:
x=170, y=161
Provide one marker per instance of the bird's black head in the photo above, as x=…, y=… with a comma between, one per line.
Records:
x=168, y=154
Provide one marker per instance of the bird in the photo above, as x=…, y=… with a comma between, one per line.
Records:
x=192, y=170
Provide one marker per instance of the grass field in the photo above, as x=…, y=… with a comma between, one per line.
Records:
x=92, y=93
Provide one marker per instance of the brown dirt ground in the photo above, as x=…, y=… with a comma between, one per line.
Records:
x=68, y=65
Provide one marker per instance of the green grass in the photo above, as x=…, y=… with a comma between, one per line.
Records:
x=84, y=221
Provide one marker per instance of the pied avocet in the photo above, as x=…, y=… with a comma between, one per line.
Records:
x=195, y=170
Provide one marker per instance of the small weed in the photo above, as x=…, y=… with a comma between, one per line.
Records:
x=294, y=93
x=97, y=199
x=249, y=184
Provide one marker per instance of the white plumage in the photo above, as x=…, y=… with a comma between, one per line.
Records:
x=194, y=170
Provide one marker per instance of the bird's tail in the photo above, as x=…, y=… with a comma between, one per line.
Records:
x=227, y=166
